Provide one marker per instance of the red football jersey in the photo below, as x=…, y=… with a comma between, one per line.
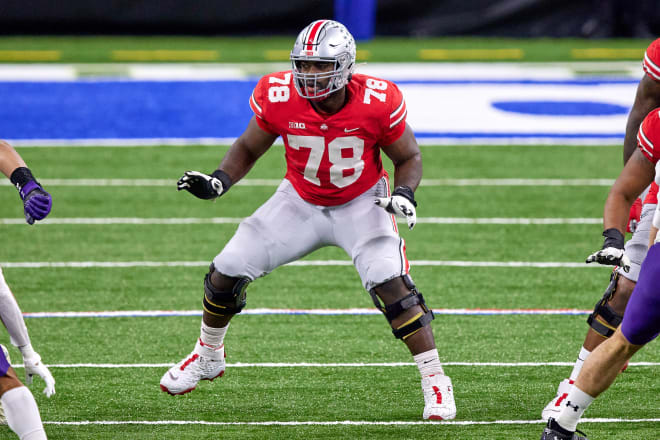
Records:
x=651, y=62
x=331, y=159
x=648, y=136
x=652, y=195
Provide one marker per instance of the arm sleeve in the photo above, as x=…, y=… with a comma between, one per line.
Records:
x=11, y=315
x=260, y=107
x=648, y=136
x=395, y=121
x=651, y=63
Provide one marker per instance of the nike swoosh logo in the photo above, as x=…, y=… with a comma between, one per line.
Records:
x=346, y=130
x=173, y=376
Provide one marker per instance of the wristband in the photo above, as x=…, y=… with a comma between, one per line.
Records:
x=27, y=351
x=224, y=178
x=21, y=176
x=407, y=192
x=613, y=238
x=24, y=181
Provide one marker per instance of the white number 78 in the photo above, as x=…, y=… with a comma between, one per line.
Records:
x=316, y=145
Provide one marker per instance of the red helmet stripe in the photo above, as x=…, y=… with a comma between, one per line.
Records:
x=313, y=34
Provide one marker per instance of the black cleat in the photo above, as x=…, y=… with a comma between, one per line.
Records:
x=553, y=431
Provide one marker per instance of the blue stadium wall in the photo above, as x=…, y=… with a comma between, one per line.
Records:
x=507, y=18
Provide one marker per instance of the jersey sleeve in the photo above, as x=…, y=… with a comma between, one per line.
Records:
x=651, y=63
x=259, y=105
x=395, y=123
x=648, y=136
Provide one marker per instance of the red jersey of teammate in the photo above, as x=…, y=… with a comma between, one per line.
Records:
x=648, y=140
x=331, y=159
x=652, y=195
x=651, y=62
x=648, y=136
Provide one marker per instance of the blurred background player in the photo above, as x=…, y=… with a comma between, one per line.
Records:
x=609, y=310
x=334, y=124
x=641, y=321
x=18, y=404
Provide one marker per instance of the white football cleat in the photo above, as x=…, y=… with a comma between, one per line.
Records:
x=438, y=397
x=204, y=363
x=553, y=408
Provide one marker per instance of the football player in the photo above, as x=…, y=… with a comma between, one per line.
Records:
x=609, y=310
x=334, y=124
x=641, y=321
x=18, y=404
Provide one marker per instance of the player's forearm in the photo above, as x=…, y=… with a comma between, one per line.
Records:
x=9, y=159
x=11, y=316
x=408, y=172
x=617, y=208
x=238, y=161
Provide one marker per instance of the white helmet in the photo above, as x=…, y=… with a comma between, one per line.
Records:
x=325, y=41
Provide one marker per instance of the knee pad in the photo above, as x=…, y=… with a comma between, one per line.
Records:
x=224, y=302
x=604, y=320
x=391, y=311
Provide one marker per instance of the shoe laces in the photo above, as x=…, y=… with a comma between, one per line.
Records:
x=188, y=361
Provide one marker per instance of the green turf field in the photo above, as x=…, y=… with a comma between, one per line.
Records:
x=383, y=402
x=102, y=49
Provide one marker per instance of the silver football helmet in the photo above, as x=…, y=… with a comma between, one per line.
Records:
x=325, y=41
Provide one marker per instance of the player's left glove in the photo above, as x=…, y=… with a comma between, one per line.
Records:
x=401, y=203
x=205, y=186
x=36, y=201
x=612, y=252
x=33, y=365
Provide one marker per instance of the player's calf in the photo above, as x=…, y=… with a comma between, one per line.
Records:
x=395, y=307
x=606, y=318
x=409, y=317
x=207, y=360
x=224, y=302
x=603, y=321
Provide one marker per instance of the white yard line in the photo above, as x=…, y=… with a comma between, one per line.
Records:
x=339, y=422
x=275, y=182
x=316, y=312
x=337, y=364
x=237, y=220
x=118, y=264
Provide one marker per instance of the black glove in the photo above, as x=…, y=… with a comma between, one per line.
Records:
x=205, y=186
x=612, y=252
x=401, y=203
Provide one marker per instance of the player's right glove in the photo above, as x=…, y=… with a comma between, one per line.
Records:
x=612, y=252
x=33, y=365
x=401, y=203
x=205, y=186
x=36, y=202
x=635, y=215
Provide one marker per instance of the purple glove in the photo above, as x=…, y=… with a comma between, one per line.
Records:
x=36, y=202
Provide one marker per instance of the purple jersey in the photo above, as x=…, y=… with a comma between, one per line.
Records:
x=4, y=363
x=641, y=321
